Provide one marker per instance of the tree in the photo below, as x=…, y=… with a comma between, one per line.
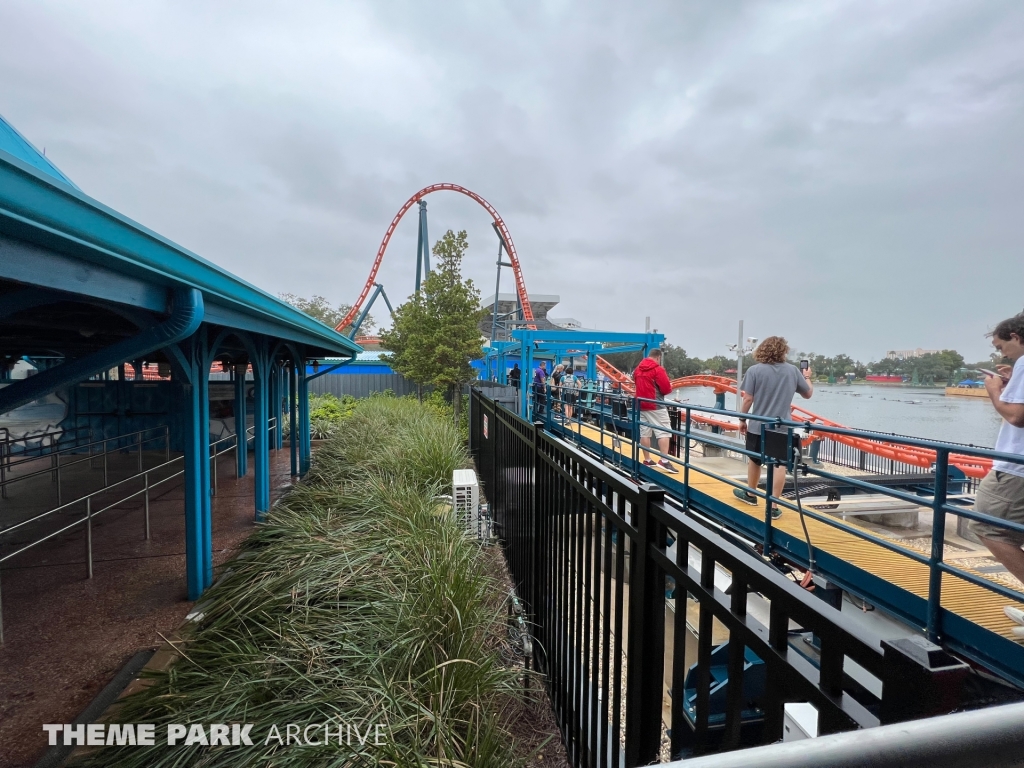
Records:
x=320, y=309
x=434, y=335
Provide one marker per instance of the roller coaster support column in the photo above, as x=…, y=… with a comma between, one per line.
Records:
x=497, y=288
x=422, y=248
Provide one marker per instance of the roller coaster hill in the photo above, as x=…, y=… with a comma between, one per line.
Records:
x=671, y=618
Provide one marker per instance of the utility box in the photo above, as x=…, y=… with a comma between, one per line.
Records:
x=799, y=721
x=466, y=503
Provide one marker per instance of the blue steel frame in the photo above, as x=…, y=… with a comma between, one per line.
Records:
x=528, y=344
x=63, y=246
x=940, y=624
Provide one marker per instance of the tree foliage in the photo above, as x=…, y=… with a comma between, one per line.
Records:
x=933, y=367
x=320, y=309
x=434, y=335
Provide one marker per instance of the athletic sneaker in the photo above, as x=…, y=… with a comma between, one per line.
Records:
x=776, y=513
x=668, y=466
x=1018, y=633
x=1014, y=614
x=743, y=496
x=650, y=463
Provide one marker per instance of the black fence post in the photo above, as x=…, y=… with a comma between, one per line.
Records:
x=536, y=530
x=646, y=652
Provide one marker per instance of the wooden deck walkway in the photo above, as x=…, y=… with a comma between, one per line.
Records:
x=974, y=603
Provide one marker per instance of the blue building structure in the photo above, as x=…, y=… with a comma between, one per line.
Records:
x=84, y=290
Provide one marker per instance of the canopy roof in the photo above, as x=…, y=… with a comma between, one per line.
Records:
x=55, y=237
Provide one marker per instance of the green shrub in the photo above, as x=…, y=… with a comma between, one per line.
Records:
x=359, y=601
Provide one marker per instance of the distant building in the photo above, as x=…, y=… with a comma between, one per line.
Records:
x=907, y=354
x=508, y=314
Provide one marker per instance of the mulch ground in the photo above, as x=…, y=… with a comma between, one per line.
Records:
x=66, y=636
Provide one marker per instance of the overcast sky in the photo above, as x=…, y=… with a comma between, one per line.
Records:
x=847, y=174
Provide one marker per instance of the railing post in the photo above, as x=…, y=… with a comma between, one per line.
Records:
x=146, y=478
x=167, y=443
x=635, y=428
x=938, y=542
x=645, y=653
x=686, y=461
x=537, y=526
x=138, y=438
x=105, y=483
x=88, y=536
x=770, y=484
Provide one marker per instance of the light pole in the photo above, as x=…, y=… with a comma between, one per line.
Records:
x=741, y=349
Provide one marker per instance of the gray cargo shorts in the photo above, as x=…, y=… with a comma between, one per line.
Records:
x=1001, y=495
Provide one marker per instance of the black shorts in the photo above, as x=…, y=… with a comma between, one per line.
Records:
x=754, y=444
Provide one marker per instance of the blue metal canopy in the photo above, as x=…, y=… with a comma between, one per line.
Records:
x=54, y=236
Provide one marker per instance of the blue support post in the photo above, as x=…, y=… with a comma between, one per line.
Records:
x=261, y=445
x=196, y=460
x=241, y=423
x=278, y=411
x=203, y=385
x=293, y=442
x=304, y=446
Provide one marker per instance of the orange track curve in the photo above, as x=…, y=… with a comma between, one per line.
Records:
x=524, y=298
x=972, y=466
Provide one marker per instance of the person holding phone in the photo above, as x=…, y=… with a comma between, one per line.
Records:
x=1001, y=492
x=767, y=390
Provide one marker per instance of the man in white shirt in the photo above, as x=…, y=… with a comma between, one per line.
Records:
x=1001, y=492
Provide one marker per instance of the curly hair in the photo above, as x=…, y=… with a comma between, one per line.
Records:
x=1009, y=326
x=772, y=350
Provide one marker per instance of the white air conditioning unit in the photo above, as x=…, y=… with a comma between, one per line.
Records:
x=466, y=503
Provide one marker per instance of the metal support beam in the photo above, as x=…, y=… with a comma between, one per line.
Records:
x=185, y=317
x=241, y=423
x=261, y=444
x=304, y=446
x=293, y=443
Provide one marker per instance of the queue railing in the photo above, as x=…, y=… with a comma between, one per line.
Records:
x=93, y=504
x=611, y=567
x=946, y=494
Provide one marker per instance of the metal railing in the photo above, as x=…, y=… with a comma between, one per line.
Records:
x=49, y=442
x=592, y=551
x=88, y=502
x=122, y=443
x=943, y=495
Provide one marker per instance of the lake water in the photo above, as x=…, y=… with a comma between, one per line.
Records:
x=916, y=411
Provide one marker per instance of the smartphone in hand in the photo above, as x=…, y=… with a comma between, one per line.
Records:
x=987, y=372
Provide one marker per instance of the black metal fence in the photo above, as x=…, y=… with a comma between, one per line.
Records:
x=659, y=636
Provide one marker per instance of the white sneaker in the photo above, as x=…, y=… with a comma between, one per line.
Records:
x=1018, y=633
x=1014, y=614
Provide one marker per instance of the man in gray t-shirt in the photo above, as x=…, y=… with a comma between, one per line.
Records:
x=767, y=390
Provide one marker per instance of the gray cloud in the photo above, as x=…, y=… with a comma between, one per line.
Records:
x=845, y=173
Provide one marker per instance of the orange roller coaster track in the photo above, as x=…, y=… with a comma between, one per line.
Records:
x=524, y=299
x=972, y=466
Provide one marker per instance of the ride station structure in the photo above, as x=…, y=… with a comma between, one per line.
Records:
x=93, y=300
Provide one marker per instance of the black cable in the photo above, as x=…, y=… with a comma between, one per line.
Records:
x=803, y=522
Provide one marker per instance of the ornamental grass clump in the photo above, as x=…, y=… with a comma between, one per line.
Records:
x=360, y=602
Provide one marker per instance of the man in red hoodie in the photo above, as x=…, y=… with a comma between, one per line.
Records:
x=652, y=382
